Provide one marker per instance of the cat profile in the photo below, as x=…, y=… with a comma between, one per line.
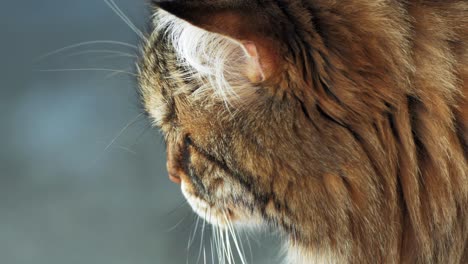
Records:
x=342, y=124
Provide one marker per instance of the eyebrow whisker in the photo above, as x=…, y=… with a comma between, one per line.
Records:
x=112, y=5
x=85, y=43
x=101, y=51
x=88, y=69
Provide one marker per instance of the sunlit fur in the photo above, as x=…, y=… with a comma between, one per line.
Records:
x=355, y=145
x=211, y=60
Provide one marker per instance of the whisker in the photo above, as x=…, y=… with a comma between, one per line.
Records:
x=101, y=51
x=241, y=243
x=126, y=149
x=201, y=240
x=204, y=255
x=112, y=74
x=228, y=246
x=219, y=252
x=212, y=250
x=131, y=122
x=235, y=240
x=89, y=69
x=184, y=202
x=192, y=235
x=215, y=239
x=178, y=223
x=119, y=56
x=85, y=43
x=124, y=18
x=121, y=147
x=249, y=244
x=225, y=248
x=220, y=246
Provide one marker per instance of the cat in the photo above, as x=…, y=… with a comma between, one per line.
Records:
x=342, y=124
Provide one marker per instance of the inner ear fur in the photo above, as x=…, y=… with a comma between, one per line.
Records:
x=241, y=20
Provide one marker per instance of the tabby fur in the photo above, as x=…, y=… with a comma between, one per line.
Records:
x=353, y=142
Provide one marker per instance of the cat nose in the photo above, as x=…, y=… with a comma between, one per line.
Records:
x=173, y=169
x=174, y=175
x=175, y=179
x=175, y=159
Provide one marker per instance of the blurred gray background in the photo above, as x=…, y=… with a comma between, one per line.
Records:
x=82, y=173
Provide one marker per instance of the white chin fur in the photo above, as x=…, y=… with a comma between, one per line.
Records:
x=294, y=254
x=203, y=209
x=220, y=216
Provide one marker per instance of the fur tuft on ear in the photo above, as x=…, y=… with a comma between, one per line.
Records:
x=240, y=20
x=215, y=63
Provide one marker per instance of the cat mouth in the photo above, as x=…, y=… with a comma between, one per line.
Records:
x=221, y=217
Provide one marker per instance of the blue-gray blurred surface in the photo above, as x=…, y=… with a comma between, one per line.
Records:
x=83, y=176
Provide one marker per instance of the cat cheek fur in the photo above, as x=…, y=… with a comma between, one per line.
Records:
x=224, y=212
x=211, y=191
x=222, y=193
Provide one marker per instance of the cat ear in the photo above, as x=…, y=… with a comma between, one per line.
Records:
x=241, y=20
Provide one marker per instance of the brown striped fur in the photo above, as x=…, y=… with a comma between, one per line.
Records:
x=355, y=143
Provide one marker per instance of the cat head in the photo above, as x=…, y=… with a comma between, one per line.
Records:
x=329, y=120
x=263, y=114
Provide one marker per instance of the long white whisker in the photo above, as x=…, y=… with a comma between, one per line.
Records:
x=88, y=69
x=234, y=238
x=126, y=149
x=121, y=147
x=125, y=18
x=249, y=244
x=239, y=240
x=218, y=244
x=221, y=245
x=101, y=51
x=85, y=43
x=112, y=74
x=128, y=20
x=204, y=255
x=177, y=224
x=225, y=248
x=214, y=240
x=228, y=246
x=212, y=251
x=192, y=235
x=201, y=240
x=131, y=122
x=119, y=56
x=181, y=204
